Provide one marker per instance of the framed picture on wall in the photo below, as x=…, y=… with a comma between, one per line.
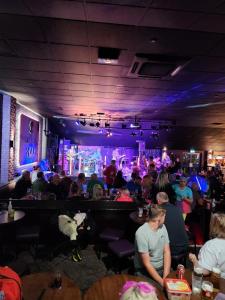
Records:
x=29, y=140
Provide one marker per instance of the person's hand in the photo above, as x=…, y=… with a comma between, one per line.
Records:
x=200, y=201
x=161, y=282
x=192, y=257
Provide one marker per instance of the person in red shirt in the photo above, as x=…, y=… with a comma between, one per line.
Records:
x=110, y=174
x=124, y=196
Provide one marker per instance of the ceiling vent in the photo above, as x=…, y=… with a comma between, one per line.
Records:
x=156, y=66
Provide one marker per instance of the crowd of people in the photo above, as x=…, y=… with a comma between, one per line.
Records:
x=185, y=195
x=173, y=207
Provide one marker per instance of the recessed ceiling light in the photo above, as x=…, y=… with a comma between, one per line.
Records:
x=153, y=40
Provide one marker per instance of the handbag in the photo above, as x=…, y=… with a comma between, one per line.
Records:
x=10, y=284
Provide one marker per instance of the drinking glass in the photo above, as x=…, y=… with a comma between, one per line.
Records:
x=57, y=283
x=197, y=276
x=207, y=290
x=140, y=212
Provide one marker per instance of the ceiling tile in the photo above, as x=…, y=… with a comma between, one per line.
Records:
x=64, y=31
x=118, y=14
x=73, y=10
x=189, y=5
x=210, y=23
x=20, y=27
x=14, y=7
x=169, y=18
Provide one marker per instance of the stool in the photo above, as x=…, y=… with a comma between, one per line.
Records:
x=111, y=234
x=29, y=234
x=108, y=235
x=121, y=249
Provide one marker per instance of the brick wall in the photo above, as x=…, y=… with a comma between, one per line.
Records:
x=0, y=125
x=11, y=170
x=10, y=112
x=5, y=138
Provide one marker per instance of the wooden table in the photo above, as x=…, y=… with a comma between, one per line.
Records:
x=109, y=287
x=138, y=220
x=4, y=219
x=34, y=285
x=188, y=277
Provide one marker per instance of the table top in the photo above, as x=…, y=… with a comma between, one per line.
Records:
x=188, y=277
x=37, y=284
x=109, y=287
x=4, y=219
x=138, y=220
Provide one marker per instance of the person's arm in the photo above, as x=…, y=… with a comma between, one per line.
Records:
x=189, y=197
x=192, y=257
x=188, y=200
x=145, y=259
x=167, y=261
x=194, y=260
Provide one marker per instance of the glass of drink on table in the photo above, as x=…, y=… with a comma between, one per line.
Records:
x=197, y=276
x=140, y=212
x=207, y=290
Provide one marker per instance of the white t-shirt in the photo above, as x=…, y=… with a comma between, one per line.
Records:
x=212, y=255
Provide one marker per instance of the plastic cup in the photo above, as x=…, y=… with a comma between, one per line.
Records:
x=140, y=212
x=207, y=290
x=197, y=276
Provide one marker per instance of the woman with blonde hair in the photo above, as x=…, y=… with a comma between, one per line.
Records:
x=141, y=290
x=212, y=254
x=162, y=184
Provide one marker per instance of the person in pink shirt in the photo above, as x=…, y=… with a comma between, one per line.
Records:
x=124, y=196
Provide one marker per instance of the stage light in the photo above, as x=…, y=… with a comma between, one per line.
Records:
x=61, y=122
x=97, y=124
x=133, y=133
x=83, y=123
x=135, y=125
x=155, y=135
x=77, y=122
x=107, y=125
x=108, y=133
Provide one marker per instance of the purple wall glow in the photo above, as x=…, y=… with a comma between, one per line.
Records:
x=29, y=140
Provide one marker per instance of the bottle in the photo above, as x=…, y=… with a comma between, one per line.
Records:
x=180, y=271
x=10, y=208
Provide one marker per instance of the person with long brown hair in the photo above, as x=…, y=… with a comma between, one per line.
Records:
x=212, y=254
